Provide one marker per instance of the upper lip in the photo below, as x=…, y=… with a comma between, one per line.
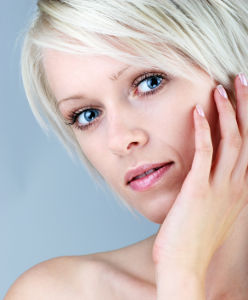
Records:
x=142, y=169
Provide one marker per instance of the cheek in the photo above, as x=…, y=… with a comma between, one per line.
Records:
x=89, y=146
x=173, y=125
x=186, y=142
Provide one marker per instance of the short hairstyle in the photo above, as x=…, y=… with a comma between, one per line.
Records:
x=172, y=35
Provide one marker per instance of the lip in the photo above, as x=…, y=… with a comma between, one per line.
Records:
x=141, y=169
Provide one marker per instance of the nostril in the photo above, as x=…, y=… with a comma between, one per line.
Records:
x=133, y=143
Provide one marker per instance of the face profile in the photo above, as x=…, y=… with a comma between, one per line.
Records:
x=140, y=118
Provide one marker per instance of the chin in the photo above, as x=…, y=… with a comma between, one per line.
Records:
x=158, y=219
x=158, y=209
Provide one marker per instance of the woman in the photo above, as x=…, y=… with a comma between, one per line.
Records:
x=151, y=96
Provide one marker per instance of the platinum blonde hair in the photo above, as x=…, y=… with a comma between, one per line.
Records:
x=172, y=35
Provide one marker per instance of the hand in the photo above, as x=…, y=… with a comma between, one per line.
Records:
x=212, y=195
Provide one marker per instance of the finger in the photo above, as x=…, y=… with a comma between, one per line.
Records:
x=202, y=161
x=230, y=142
x=241, y=91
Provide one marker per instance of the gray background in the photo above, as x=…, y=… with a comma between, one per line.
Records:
x=49, y=206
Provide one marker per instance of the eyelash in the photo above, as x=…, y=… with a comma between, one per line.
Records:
x=73, y=116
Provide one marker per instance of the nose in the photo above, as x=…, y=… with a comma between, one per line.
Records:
x=124, y=137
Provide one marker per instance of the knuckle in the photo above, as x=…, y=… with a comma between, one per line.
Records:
x=235, y=141
x=245, y=134
x=205, y=148
x=237, y=192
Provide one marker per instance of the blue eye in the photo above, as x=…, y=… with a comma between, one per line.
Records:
x=148, y=84
x=84, y=118
x=87, y=116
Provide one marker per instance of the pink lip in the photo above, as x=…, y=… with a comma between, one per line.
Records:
x=146, y=182
x=140, y=170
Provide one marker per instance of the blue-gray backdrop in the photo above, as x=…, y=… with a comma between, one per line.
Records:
x=49, y=206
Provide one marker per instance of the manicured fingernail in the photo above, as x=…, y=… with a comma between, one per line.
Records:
x=222, y=91
x=243, y=79
x=200, y=110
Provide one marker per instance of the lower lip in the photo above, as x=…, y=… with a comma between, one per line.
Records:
x=144, y=183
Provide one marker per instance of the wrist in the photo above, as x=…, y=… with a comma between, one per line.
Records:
x=182, y=270
x=178, y=283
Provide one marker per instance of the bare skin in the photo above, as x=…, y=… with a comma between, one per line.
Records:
x=129, y=273
x=115, y=275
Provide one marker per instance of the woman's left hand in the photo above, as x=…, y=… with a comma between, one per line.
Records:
x=212, y=195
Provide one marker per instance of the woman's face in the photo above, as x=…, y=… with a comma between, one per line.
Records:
x=138, y=116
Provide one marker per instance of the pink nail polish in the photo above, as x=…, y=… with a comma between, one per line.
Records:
x=243, y=79
x=222, y=91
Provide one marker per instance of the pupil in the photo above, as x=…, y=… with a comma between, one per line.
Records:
x=89, y=115
x=153, y=82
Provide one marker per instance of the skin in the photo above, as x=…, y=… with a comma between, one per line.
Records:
x=128, y=136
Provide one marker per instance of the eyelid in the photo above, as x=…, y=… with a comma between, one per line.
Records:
x=142, y=78
x=146, y=75
x=73, y=118
x=80, y=110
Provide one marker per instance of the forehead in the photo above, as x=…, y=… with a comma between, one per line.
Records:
x=66, y=72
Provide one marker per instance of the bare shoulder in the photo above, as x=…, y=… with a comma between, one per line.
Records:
x=61, y=278
x=119, y=274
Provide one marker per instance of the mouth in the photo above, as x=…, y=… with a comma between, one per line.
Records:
x=144, y=171
x=150, y=178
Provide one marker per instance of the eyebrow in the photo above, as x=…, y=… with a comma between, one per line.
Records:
x=113, y=77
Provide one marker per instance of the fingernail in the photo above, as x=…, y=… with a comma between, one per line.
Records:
x=243, y=79
x=222, y=91
x=200, y=110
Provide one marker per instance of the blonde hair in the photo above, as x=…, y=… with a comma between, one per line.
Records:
x=173, y=35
